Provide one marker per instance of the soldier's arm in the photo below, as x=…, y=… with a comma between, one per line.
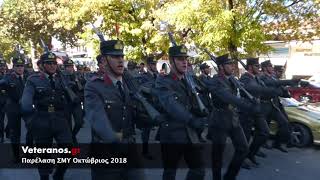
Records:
x=223, y=93
x=27, y=98
x=96, y=115
x=168, y=102
x=4, y=81
x=277, y=83
x=255, y=89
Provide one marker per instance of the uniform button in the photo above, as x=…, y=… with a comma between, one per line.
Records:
x=108, y=106
x=176, y=97
x=53, y=90
x=124, y=107
x=123, y=118
x=52, y=97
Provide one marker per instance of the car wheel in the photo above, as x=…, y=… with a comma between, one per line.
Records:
x=300, y=135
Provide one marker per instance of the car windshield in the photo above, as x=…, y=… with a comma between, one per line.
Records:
x=290, y=102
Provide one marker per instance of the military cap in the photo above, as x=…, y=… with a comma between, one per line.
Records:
x=266, y=63
x=278, y=68
x=224, y=59
x=252, y=61
x=68, y=62
x=151, y=60
x=132, y=64
x=18, y=61
x=80, y=66
x=112, y=47
x=48, y=57
x=204, y=66
x=178, y=51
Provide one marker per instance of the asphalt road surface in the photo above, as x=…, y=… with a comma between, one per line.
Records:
x=298, y=164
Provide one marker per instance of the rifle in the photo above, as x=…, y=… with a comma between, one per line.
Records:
x=73, y=97
x=190, y=81
x=134, y=91
x=98, y=33
x=234, y=81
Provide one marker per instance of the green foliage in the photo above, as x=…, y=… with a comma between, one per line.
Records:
x=220, y=26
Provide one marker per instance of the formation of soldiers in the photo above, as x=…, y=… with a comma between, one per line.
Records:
x=115, y=101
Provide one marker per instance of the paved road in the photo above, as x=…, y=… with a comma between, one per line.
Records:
x=298, y=164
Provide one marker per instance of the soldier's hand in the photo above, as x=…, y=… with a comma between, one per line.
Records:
x=119, y=136
x=160, y=119
x=304, y=83
x=198, y=123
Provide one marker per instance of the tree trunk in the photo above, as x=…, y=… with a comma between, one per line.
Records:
x=232, y=47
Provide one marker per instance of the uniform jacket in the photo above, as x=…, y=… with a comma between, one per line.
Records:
x=14, y=89
x=227, y=102
x=38, y=92
x=255, y=86
x=175, y=100
x=106, y=111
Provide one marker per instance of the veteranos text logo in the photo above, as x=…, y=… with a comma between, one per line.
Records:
x=36, y=150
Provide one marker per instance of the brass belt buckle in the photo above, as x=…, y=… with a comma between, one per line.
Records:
x=51, y=108
x=3, y=91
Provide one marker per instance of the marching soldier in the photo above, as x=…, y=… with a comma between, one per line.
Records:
x=3, y=99
x=205, y=72
x=142, y=68
x=45, y=98
x=14, y=83
x=257, y=88
x=110, y=110
x=147, y=80
x=177, y=133
x=75, y=109
x=273, y=108
x=224, y=89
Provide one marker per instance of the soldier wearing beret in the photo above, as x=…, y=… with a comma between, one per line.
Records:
x=75, y=109
x=274, y=109
x=178, y=135
x=227, y=102
x=14, y=85
x=45, y=99
x=255, y=86
x=3, y=99
x=111, y=111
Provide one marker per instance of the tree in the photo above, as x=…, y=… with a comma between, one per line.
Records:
x=226, y=26
x=28, y=21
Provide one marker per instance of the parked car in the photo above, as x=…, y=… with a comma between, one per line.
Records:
x=309, y=93
x=304, y=120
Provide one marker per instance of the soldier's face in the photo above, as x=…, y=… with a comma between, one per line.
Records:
x=181, y=64
x=69, y=69
x=228, y=69
x=2, y=68
x=256, y=69
x=206, y=71
x=116, y=63
x=102, y=64
x=270, y=69
x=50, y=67
x=19, y=69
x=153, y=67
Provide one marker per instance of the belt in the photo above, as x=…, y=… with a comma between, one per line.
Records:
x=51, y=108
x=265, y=101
